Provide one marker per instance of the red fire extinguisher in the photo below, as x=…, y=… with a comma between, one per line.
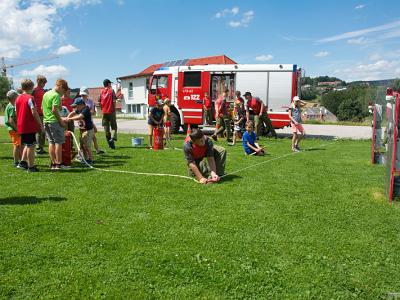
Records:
x=158, y=134
x=67, y=149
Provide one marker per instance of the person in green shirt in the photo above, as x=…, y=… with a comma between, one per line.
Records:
x=10, y=121
x=54, y=123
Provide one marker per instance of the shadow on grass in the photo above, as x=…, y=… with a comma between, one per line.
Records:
x=314, y=149
x=22, y=200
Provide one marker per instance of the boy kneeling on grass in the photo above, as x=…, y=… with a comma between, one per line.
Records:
x=249, y=141
x=83, y=115
x=197, y=146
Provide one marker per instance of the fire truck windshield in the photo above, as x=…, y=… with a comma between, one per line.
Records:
x=159, y=82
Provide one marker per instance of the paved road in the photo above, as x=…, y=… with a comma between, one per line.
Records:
x=325, y=131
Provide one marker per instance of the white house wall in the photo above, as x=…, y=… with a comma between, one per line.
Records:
x=139, y=95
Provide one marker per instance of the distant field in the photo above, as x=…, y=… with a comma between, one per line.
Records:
x=310, y=225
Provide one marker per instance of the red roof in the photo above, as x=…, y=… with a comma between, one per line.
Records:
x=210, y=60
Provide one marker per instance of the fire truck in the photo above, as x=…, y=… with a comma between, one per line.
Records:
x=274, y=84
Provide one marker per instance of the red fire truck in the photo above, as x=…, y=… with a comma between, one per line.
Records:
x=274, y=84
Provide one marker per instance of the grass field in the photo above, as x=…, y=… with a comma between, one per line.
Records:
x=315, y=224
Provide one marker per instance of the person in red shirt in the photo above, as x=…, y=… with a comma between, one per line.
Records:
x=222, y=112
x=37, y=94
x=197, y=146
x=260, y=114
x=107, y=103
x=28, y=123
x=207, y=107
x=66, y=101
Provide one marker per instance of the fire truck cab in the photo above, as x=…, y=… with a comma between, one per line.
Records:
x=274, y=84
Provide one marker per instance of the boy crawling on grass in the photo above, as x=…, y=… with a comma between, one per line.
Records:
x=249, y=141
x=197, y=146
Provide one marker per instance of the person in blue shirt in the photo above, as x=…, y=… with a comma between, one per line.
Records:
x=249, y=141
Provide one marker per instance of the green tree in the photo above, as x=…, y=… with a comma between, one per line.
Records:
x=350, y=110
x=396, y=84
x=5, y=86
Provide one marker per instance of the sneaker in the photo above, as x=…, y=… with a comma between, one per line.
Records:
x=55, y=167
x=111, y=144
x=78, y=158
x=63, y=167
x=214, y=137
x=229, y=141
x=295, y=149
x=40, y=151
x=32, y=169
x=90, y=162
x=15, y=164
x=100, y=151
x=23, y=165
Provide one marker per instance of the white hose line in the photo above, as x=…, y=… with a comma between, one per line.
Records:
x=181, y=176
x=122, y=171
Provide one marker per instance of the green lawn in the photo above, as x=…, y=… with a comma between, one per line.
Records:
x=315, y=224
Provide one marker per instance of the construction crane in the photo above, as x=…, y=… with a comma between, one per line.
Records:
x=5, y=67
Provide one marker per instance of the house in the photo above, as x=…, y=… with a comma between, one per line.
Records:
x=319, y=113
x=134, y=87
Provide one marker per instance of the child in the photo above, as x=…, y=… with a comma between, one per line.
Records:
x=207, y=107
x=28, y=124
x=196, y=147
x=37, y=94
x=84, y=93
x=10, y=120
x=295, y=122
x=155, y=119
x=249, y=141
x=238, y=120
x=83, y=115
x=167, y=119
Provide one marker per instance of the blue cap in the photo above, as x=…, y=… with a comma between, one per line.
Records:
x=78, y=101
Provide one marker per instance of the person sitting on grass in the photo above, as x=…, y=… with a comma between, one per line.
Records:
x=10, y=120
x=295, y=122
x=249, y=141
x=83, y=115
x=155, y=119
x=197, y=146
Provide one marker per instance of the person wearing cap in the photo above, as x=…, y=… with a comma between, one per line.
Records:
x=295, y=122
x=84, y=93
x=260, y=114
x=83, y=115
x=54, y=123
x=37, y=94
x=28, y=124
x=107, y=101
x=155, y=119
x=10, y=121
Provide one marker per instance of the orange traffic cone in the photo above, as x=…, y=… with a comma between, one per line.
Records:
x=188, y=131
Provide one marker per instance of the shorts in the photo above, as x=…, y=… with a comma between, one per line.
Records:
x=28, y=139
x=15, y=138
x=54, y=133
x=151, y=123
x=87, y=138
x=109, y=120
x=297, y=128
x=168, y=124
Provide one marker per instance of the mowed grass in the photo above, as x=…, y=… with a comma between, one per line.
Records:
x=310, y=225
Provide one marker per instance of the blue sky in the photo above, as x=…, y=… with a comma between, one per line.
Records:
x=97, y=39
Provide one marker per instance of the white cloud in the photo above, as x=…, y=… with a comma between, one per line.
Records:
x=380, y=69
x=357, y=33
x=361, y=6
x=67, y=49
x=227, y=12
x=264, y=57
x=53, y=71
x=30, y=25
x=358, y=41
x=120, y=2
x=234, y=19
x=322, y=54
x=375, y=56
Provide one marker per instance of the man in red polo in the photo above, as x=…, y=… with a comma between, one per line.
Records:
x=260, y=114
x=107, y=103
x=37, y=94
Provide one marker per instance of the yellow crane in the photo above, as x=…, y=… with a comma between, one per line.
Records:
x=5, y=67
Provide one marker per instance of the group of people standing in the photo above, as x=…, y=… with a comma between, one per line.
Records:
x=33, y=114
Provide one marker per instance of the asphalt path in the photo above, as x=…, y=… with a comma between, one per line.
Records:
x=317, y=131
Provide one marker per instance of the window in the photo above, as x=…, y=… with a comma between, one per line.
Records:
x=130, y=90
x=192, y=79
x=134, y=108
